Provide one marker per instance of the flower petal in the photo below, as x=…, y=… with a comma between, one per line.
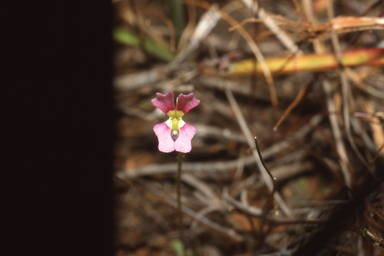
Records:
x=165, y=102
x=163, y=133
x=186, y=102
x=183, y=142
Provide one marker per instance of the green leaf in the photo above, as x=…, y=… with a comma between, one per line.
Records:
x=178, y=247
x=131, y=39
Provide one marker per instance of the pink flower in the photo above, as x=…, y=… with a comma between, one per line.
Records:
x=175, y=134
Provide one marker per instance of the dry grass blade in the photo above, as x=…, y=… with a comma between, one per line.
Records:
x=272, y=26
x=349, y=24
x=346, y=95
x=305, y=63
x=332, y=109
x=252, y=144
x=293, y=105
x=259, y=57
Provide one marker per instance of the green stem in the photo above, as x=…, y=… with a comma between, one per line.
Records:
x=178, y=188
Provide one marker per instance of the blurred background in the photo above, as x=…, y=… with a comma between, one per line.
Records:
x=304, y=77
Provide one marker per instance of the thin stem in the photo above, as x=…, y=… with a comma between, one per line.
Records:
x=265, y=167
x=270, y=203
x=180, y=157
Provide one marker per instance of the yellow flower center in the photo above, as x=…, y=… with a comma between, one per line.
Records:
x=175, y=119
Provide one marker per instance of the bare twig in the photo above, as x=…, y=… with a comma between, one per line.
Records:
x=293, y=104
x=252, y=144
